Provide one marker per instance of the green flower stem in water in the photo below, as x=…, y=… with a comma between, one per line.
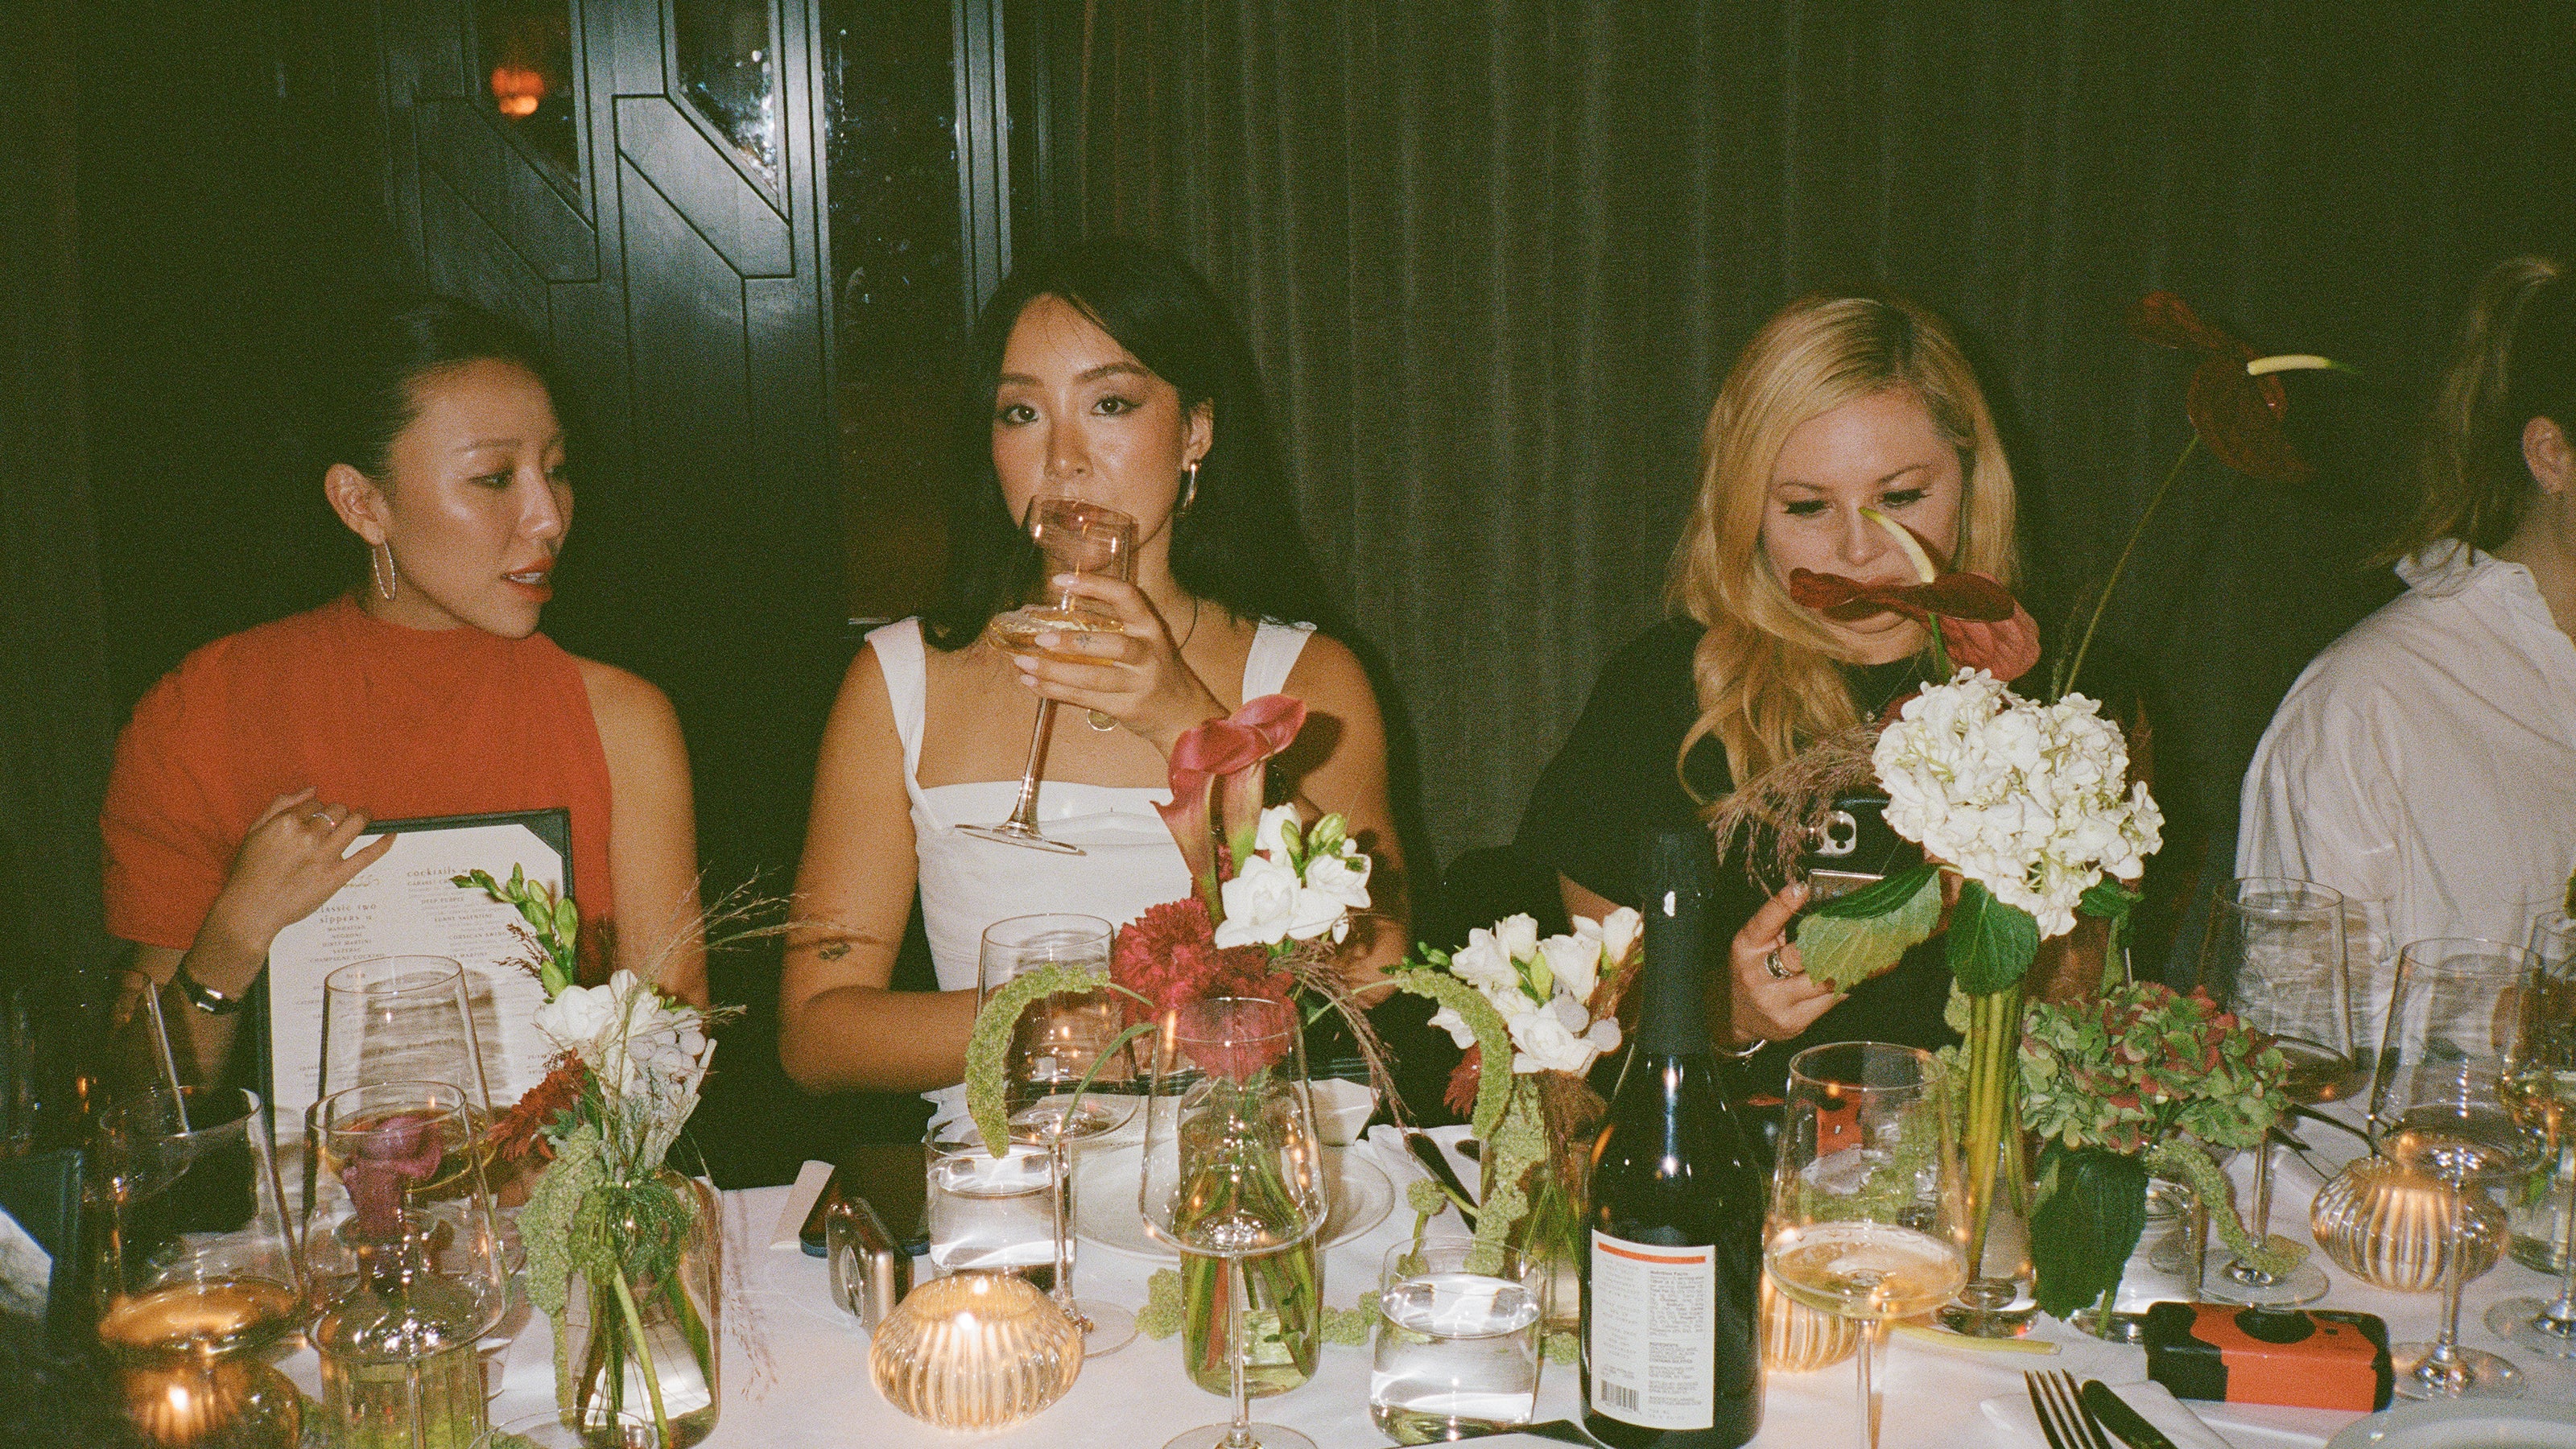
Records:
x=1994, y=1037
x=643, y=1354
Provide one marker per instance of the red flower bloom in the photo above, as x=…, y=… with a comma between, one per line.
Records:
x=1952, y=596
x=2237, y=416
x=1228, y=752
x=1460, y=1095
x=1169, y=956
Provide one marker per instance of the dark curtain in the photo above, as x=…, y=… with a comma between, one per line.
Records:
x=1497, y=258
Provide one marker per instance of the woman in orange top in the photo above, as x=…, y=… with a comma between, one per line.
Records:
x=247, y=772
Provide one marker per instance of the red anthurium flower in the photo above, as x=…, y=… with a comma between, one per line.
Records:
x=2237, y=415
x=1952, y=596
x=2006, y=649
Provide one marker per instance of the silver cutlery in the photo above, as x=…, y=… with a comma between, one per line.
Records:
x=2062, y=1415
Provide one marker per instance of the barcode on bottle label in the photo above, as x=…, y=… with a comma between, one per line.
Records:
x=1653, y=1333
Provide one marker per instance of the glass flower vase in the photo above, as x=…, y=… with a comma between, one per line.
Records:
x=663, y=1333
x=1282, y=1334
x=1550, y=1235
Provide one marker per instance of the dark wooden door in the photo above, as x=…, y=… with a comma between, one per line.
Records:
x=637, y=180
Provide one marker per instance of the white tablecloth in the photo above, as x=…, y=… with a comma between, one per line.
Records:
x=796, y=1367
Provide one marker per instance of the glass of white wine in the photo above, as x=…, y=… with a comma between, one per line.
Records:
x=1071, y=537
x=2543, y=1091
x=2453, y=1102
x=1869, y=1205
x=2274, y=955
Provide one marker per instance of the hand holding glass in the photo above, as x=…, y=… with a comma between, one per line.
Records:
x=1072, y=537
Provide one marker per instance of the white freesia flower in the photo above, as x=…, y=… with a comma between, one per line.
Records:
x=1454, y=1024
x=1271, y=839
x=1485, y=962
x=1543, y=1044
x=1576, y=963
x=1517, y=936
x=648, y=1054
x=1343, y=876
x=575, y=1018
x=1617, y=933
x=2026, y=799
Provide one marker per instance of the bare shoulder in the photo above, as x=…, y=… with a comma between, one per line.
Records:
x=1329, y=676
x=630, y=709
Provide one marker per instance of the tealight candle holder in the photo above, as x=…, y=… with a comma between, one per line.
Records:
x=2390, y=1226
x=975, y=1351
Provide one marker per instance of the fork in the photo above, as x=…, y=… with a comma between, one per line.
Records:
x=2062, y=1415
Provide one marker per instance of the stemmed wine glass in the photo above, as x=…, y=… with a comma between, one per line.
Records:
x=1058, y=1041
x=1869, y=1205
x=2546, y=1088
x=1232, y=1169
x=396, y=1019
x=1071, y=537
x=2463, y=1026
x=2274, y=956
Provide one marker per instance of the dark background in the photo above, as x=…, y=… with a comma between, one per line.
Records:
x=1495, y=259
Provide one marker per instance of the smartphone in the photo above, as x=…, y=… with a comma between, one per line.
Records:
x=1854, y=847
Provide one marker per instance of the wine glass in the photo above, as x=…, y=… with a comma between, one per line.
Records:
x=194, y=1271
x=402, y=1262
x=1057, y=1042
x=395, y=1019
x=2463, y=1020
x=1232, y=1169
x=2274, y=956
x=1869, y=1205
x=2547, y=1087
x=1072, y=537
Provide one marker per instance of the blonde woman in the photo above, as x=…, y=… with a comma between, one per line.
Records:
x=1840, y=403
x=2425, y=764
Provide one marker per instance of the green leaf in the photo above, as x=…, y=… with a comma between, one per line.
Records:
x=1991, y=944
x=2083, y=1231
x=2108, y=898
x=1879, y=897
x=1842, y=949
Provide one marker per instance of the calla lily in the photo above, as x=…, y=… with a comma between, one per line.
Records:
x=1228, y=752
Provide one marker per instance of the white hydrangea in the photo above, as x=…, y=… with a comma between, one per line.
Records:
x=2026, y=799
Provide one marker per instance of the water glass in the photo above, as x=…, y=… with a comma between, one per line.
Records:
x=993, y=1214
x=1457, y=1342
x=621, y=1430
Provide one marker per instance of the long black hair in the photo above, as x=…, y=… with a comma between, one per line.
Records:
x=1237, y=545
x=369, y=392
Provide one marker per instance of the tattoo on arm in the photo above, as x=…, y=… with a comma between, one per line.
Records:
x=833, y=950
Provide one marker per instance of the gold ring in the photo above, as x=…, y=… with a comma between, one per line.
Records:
x=1102, y=722
x=1772, y=964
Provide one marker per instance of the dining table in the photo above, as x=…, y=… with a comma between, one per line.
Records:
x=796, y=1376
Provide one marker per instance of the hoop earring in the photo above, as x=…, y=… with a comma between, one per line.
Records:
x=1189, y=491
x=380, y=562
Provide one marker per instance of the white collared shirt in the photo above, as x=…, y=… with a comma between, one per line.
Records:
x=2425, y=766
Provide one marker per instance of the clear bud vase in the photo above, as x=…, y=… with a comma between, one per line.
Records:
x=1283, y=1327
x=603, y=1369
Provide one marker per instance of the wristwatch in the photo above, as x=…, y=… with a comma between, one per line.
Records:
x=203, y=997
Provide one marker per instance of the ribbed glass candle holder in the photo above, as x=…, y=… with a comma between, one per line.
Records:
x=975, y=1351
x=2391, y=1227
x=1797, y=1339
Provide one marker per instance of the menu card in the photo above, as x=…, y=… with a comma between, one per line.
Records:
x=406, y=904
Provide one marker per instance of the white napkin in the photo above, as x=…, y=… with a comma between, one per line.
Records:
x=2013, y=1414
x=26, y=1270
x=800, y=1201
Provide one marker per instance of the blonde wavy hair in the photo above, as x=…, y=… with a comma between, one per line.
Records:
x=1764, y=669
x=2515, y=360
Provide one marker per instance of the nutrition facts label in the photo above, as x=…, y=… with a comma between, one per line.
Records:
x=1654, y=1333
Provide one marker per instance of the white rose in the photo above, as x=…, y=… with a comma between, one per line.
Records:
x=1344, y=877
x=1518, y=936
x=1545, y=1045
x=1271, y=839
x=1575, y=961
x=1260, y=903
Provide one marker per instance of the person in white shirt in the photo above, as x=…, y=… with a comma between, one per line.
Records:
x=2425, y=764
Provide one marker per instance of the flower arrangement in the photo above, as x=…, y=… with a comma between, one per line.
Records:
x=1550, y=1009
x=2137, y=1083
x=1271, y=901
x=607, y=1215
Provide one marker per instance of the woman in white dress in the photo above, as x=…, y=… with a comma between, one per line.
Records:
x=1109, y=371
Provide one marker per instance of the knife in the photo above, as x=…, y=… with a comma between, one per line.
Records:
x=2125, y=1423
x=1427, y=1152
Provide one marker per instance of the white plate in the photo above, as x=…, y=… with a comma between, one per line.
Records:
x=1104, y=1200
x=2475, y=1422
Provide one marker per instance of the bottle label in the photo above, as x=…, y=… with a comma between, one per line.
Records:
x=1653, y=1333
